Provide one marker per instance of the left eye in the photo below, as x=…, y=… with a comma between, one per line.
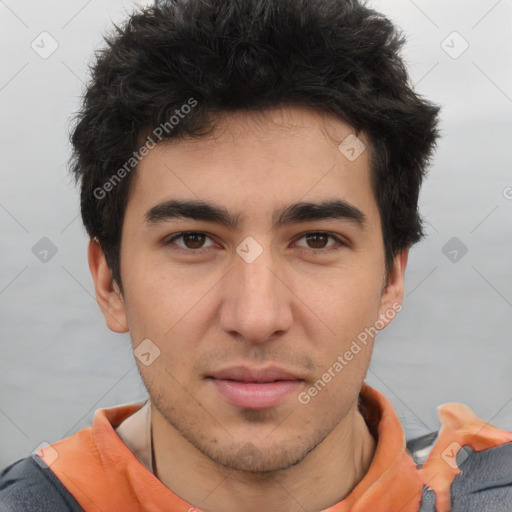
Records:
x=321, y=238
x=193, y=241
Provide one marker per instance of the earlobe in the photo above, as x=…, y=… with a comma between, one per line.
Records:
x=393, y=294
x=108, y=295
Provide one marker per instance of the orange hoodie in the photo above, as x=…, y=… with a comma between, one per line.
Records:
x=103, y=474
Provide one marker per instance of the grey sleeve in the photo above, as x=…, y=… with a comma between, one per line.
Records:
x=485, y=483
x=29, y=486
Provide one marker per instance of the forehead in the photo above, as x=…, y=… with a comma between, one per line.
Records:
x=259, y=158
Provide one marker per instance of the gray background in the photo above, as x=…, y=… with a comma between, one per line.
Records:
x=59, y=362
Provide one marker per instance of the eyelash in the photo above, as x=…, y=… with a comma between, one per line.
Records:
x=169, y=241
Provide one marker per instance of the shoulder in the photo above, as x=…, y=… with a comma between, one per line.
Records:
x=28, y=484
x=483, y=479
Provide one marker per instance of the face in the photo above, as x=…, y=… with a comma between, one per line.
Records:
x=221, y=297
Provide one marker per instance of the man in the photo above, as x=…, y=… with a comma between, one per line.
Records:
x=249, y=175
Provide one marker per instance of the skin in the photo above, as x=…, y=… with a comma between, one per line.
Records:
x=293, y=307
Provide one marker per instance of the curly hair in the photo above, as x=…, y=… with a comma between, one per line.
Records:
x=337, y=56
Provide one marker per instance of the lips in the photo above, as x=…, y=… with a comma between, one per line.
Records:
x=244, y=374
x=247, y=388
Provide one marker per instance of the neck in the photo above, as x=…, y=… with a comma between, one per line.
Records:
x=323, y=478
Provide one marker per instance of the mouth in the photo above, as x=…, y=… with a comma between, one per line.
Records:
x=247, y=388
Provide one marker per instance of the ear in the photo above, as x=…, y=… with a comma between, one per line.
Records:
x=108, y=295
x=393, y=293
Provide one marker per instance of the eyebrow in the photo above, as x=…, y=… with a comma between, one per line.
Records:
x=337, y=209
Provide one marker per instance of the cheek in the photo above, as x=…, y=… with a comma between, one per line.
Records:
x=337, y=381
x=171, y=312
x=340, y=332
x=156, y=298
x=346, y=299
x=342, y=352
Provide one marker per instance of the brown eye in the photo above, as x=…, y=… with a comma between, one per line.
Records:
x=190, y=241
x=317, y=240
x=193, y=240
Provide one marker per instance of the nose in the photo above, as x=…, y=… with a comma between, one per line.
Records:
x=257, y=300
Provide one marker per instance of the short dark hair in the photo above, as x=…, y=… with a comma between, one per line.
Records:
x=336, y=56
